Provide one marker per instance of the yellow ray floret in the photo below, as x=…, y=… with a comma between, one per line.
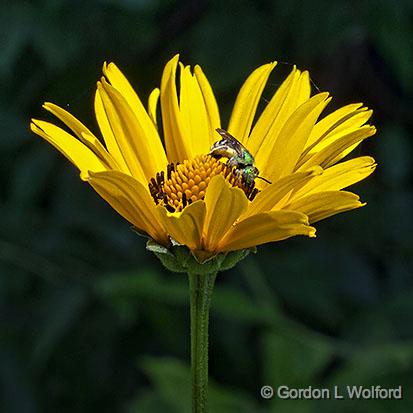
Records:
x=266, y=227
x=320, y=205
x=77, y=153
x=185, y=227
x=293, y=92
x=223, y=206
x=130, y=199
x=247, y=101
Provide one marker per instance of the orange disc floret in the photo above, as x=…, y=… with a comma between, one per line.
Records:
x=187, y=182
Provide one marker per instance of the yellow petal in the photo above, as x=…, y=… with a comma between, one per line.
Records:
x=193, y=113
x=124, y=128
x=210, y=102
x=224, y=205
x=107, y=133
x=120, y=83
x=77, y=153
x=339, y=176
x=292, y=93
x=178, y=145
x=342, y=127
x=270, y=197
x=320, y=205
x=331, y=121
x=140, y=155
x=68, y=119
x=131, y=200
x=266, y=227
x=153, y=142
x=185, y=227
x=153, y=105
x=304, y=88
x=247, y=101
x=339, y=148
x=82, y=132
x=286, y=150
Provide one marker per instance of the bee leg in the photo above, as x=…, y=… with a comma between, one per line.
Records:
x=253, y=194
x=232, y=162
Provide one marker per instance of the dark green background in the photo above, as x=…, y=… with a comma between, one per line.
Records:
x=91, y=322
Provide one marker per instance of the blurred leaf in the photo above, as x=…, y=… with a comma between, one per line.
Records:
x=30, y=176
x=375, y=364
x=395, y=156
x=293, y=361
x=173, y=289
x=172, y=383
x=221, y=28
x=145, y=283
x=15, y=18
x=14, y=133
x=134, y=5
x=64, y=307
x=48, y=39
x=390, y=24
x=18, y=393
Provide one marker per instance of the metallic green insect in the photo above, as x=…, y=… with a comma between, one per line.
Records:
x=238, y=158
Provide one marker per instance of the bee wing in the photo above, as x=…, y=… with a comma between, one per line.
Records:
x=231, y=142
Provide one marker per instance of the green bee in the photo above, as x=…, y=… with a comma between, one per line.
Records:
x=238, y=158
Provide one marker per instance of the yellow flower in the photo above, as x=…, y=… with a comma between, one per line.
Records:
x=177, y=191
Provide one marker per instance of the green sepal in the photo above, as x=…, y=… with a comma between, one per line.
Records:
x=169, y=259
x=179, y=258
x=233, y=257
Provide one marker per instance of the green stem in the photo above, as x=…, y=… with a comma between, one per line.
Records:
x=201, y=287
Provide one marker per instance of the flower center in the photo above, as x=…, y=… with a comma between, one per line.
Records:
x=187, y=182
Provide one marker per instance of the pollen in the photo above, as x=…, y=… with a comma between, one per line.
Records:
x=187, y=182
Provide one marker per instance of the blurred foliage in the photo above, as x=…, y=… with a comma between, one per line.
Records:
x=91, y=322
